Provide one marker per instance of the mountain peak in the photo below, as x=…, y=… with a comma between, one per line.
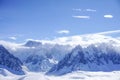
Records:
x=32, y=43
x=77, y=49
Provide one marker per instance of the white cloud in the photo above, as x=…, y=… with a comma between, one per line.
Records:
x=91, y=10
x=63, y=32
x=13, y=38
x=11, y=46
x=108, y=16
x=81, y=17
x=83, y=40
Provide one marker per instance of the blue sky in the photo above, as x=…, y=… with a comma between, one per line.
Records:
x=47, y=19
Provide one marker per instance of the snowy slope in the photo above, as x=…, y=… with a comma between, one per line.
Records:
x=79, y=75
x=8, y=61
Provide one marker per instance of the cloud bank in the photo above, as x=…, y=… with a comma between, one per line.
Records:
x=109, y=32
x=83, y=40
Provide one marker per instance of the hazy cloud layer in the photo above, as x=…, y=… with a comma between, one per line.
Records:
x=83, y=40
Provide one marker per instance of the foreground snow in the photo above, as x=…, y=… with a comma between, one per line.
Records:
x=80, y=75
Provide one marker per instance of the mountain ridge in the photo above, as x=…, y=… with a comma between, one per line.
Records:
x=9, y=62
x=82, y=59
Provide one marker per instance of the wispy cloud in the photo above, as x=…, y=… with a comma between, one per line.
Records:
x=77, y=9
x=108, y=16
x=11, y=45
x=81, y=17
x=12, y=38
x=63, y=32
x=91, y=10
x=109, y=32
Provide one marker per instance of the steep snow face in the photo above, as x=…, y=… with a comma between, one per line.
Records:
x=8, y=61
x=92, y=58
x=38, y=63
x=5, y=72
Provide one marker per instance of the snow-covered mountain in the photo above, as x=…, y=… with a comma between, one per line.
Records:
x=94, y=53
x=37, y=56
x=42, y=58
x=100, y=57
x=9, y=62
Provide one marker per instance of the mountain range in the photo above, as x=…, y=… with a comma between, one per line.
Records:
x=93, y=54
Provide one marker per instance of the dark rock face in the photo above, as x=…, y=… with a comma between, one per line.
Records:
x=88, y=59
x=8, y=61
x=33, y=44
